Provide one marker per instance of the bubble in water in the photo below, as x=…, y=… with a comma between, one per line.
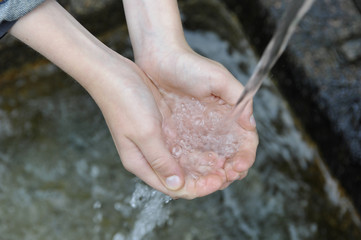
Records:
x=199, y=122
x=97, y=205
x=177, y=151
x=94, y=171
x=118, y=236
x=198, y=129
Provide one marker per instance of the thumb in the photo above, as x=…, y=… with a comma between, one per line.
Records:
x=247, y=120
x=230, y=93
x=162, y=162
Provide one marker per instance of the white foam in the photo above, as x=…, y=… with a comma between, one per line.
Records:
x=152, y=210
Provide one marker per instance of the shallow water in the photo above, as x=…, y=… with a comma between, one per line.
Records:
x=61, y=178
x=195, y=134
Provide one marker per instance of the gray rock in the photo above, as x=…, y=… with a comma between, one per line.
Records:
x=320, y=74
x=352, y=49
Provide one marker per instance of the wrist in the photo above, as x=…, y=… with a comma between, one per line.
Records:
x=55, y=34
x=154, y=26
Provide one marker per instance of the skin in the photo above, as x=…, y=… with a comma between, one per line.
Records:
x=115, y=83
x=162, y=52
x=128, y=95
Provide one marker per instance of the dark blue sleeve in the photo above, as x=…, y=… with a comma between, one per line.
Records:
x=5, y=27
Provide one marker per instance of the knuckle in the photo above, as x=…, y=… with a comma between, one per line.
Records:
x=220, y=65
x=244, y=164
x=143, y=131
x=147, y=131
x=219, y=81
x=129, y=166
x=158, y=164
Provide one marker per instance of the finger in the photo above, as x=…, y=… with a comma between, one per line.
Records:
x=229, y=89
x=204, y=185
x=246, y=120
x=244, y=159
x=134, y=162
x=225, y=86
x=242, y=175
x=162, y=162
x=225, y=185
x=233, y=176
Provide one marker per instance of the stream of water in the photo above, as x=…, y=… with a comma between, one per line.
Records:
x=61, y=177
x=286, y=26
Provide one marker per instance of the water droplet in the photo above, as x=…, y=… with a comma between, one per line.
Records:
x=97, y=205
x=195, y=124
x=177, y=151
x=118, y=236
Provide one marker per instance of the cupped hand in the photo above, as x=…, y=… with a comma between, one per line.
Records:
x=183, y=72
x=135, y=123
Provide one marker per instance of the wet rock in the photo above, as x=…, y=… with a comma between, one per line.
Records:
x=358, y=4
x=58, y=156
x=82, y=7
x=320, y=74
x=352, y=49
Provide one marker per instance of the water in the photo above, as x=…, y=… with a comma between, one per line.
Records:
x=202, y=136
x=287, y=25
x=192, y=136
x=153, y=212
x=61, y=178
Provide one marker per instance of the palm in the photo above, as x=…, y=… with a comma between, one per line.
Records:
x=188, y=73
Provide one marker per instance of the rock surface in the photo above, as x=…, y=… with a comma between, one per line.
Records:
x=94, y=15
x=320, y=74
x=59, y=168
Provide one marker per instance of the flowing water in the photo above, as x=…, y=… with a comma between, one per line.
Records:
x=203, y=136
x=61, y=178
x=287, y=25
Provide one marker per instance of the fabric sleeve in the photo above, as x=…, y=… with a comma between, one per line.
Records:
x=5, y=27
x=11, y=10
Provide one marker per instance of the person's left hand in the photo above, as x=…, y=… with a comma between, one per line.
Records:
x=161, y=51
x=184, y=72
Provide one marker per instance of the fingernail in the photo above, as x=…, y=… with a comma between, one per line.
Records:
x=252, y=121
x=173, y=182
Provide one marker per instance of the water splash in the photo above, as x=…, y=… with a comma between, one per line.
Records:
x=192, y=136
x=294, y=13
x=153, y=212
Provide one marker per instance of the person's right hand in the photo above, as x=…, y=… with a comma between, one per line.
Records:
x=135, y=112
x=135, y=123
x=115, y=83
